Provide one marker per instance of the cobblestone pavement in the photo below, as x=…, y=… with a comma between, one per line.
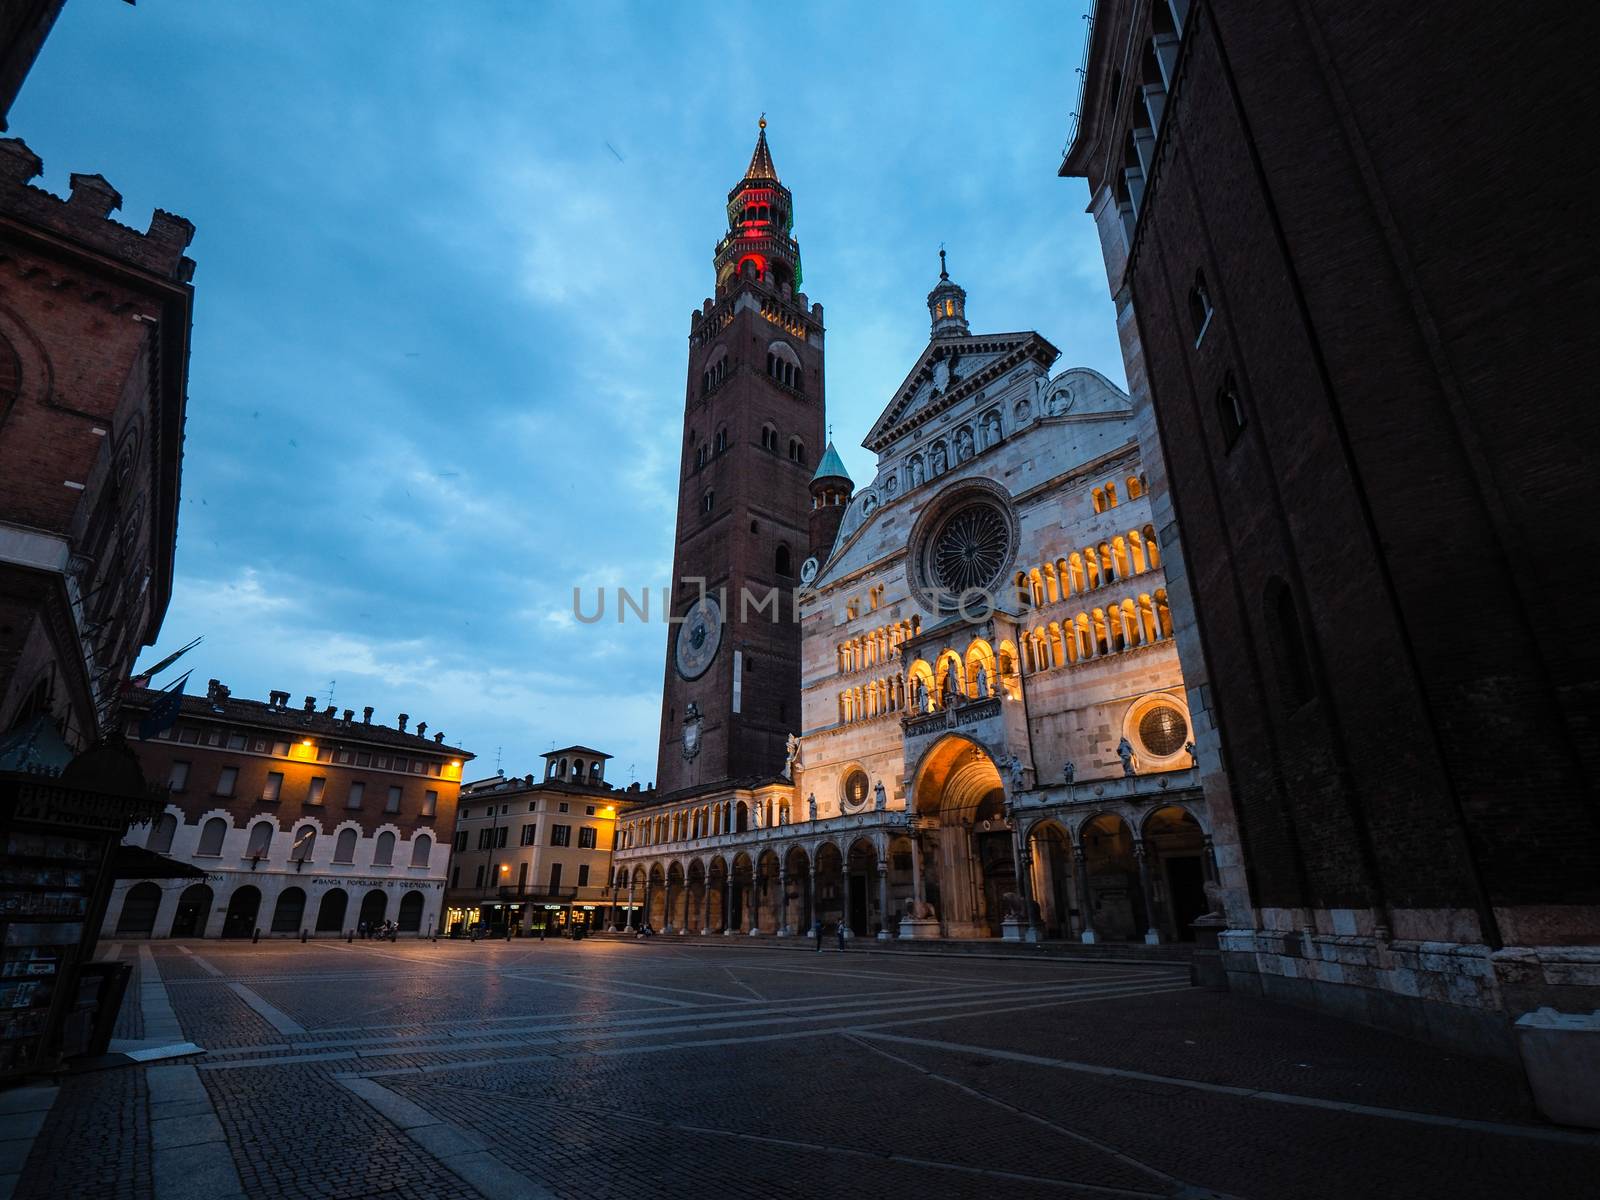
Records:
x=606, y=1068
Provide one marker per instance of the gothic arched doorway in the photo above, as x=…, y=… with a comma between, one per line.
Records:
x=972, y=853
x=194, y=907
x=243, y=906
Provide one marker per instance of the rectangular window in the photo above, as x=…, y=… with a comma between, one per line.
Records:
x=236, y=741
x=483, y=838
x=533, y=806
x=430, y=803
x=319, y=784
x=555, y=877
x=586, y=838
x=178, y=776
x=500, y=837
x=561, y=835
x=529, y=832
x=281, y=749
x=343, y=757
x=214, y=738
x=583, y=874
x=588, y=810
x=400, y=764
x=226, y=781
x=381, y=762
x=190, y=736
x=461, y=841
x=272, y=790
x=363, y=758
x=358, y=793
x=480, y=876
x=418, y=767
x=393, y=803
x=259, y=746
x=563, y=806
x=324, y=753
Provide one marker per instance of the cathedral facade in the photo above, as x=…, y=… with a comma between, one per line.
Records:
x=993, y=738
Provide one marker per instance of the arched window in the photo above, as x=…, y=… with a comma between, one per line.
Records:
x=260, y=845
x=769, y=438
x=562, y=773
x=211, y=835
x=160, y=840
x=1098, y=497
x=305, y=841
x=797, y=451
x=700, y=455
x=722, y=439
x=421, y=848
x=781, y=563
x=1230, y=412
x=707, y=500
x=344, y=846
x=383, y=850
x=577, y=770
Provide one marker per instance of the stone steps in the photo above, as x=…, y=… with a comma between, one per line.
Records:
x=1178, y=954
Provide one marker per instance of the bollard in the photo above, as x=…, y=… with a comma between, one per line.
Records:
x=349, y=935
x=256, y=936
x=303, y=937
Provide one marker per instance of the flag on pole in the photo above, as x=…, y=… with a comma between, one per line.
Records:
x=163, y=713
x=142, y=679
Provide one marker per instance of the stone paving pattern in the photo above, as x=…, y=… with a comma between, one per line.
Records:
x=606, y=1068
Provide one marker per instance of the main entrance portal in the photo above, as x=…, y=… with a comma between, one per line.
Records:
x=965, y=844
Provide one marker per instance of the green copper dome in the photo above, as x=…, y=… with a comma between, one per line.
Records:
x=831, y=466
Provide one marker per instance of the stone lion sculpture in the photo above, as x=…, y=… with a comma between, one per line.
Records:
x=920, y=910
x=1018, y=909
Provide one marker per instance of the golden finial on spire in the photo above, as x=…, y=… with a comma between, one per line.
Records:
x=763, y=121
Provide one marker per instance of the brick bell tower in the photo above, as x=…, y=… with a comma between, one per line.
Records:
x=753, y=427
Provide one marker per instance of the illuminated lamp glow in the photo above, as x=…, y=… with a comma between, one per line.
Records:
x=307, y=742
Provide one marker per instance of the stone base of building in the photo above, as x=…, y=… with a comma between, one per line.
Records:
x=919, y=928
x=1453, y=994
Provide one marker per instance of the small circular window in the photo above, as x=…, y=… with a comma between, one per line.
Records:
x=855, y=789
x=1163, y=730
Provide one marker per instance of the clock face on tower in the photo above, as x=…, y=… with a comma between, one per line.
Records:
x=698, y=637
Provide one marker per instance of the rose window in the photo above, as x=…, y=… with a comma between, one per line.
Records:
x=971, y=549
x=1163, y=730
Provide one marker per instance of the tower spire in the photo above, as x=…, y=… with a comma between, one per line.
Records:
x=947, y=303
x=761, y=160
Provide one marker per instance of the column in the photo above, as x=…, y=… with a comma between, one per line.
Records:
x=755, y=904
x=648, y=883
x=916, y=870
x=1080, y=876
x=1152, y=935
x=783, y=905
x=727, y=903
x=705, y=904
x=1024, y=868
x=666, y=909
x=883, y=899
x=811, y=897
x=631, y=919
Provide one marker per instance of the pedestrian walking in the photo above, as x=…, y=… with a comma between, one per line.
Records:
x=362, y=930
x=542, y=929
x=817, y=929
x=840, y=930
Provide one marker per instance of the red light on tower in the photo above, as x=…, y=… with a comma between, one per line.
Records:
x=760, y=261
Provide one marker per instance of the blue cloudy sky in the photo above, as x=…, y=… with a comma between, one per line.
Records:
x=440, y=327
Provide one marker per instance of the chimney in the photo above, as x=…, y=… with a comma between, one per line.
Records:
x=366, y=715
x=527, y=780
x=422, y=729
x=349, y=715
x=279, y=700
x=311, y=704
x=404, y=717
x=329, y=711
x=439, y=738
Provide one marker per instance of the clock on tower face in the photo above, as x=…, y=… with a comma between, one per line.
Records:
x=698, y=637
